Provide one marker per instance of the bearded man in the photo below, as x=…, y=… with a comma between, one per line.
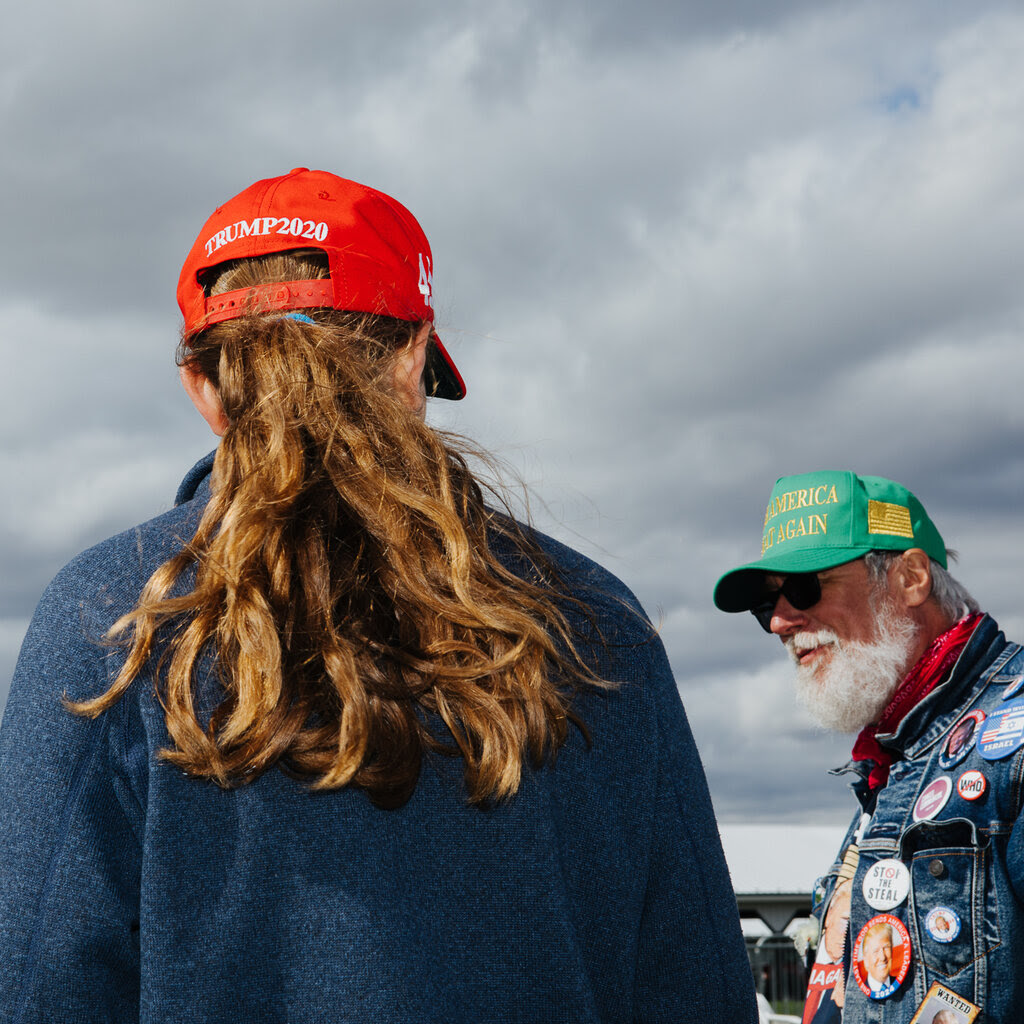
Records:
x=853, y=579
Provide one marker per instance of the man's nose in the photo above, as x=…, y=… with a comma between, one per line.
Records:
x=786, y=620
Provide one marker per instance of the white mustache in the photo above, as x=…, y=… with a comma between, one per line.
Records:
x=799, y=643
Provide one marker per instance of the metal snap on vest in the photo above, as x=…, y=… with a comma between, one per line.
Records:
x=936, y=868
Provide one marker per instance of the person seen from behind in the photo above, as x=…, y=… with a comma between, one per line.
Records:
x=337, y=738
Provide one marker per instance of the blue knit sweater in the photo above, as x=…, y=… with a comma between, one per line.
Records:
x=130, y=892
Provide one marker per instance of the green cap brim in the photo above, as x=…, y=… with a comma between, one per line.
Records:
x=815, y=521
x=740, y=589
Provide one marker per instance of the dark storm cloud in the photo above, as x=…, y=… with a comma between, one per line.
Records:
x=680, y=250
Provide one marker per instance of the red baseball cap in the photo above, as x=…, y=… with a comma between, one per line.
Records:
x=378, y=257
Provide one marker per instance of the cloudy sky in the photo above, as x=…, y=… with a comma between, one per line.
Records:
x=680, y=249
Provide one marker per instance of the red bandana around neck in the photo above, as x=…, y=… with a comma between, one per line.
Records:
x=929, y=671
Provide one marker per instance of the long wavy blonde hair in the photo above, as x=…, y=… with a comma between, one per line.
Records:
x=345, y=586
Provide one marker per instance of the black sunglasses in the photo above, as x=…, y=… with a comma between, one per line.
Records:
x=801, y=589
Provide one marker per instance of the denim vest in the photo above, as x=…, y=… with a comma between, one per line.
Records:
x=968, y=856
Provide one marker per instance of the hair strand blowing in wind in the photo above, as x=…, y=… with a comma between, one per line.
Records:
x=343, y=586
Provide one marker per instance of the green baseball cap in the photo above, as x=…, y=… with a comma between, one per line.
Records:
x=815, y=521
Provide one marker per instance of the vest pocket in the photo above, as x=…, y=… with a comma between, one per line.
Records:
x=948, y=863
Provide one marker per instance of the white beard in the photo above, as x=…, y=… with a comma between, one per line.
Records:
x=859, y=681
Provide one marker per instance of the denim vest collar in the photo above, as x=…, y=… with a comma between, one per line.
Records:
x=926, y=723
x=986, y=651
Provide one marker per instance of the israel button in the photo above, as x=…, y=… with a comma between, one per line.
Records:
x=1003, y=732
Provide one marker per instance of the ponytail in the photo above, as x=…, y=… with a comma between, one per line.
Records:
x=345, y=579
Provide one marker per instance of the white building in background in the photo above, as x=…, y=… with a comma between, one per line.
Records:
x=773, y=869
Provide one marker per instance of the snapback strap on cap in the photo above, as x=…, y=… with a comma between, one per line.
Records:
x=290, y=295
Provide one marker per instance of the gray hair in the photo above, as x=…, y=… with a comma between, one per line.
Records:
x=951, y=596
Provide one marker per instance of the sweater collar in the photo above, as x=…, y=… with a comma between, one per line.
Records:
x=196, y=480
